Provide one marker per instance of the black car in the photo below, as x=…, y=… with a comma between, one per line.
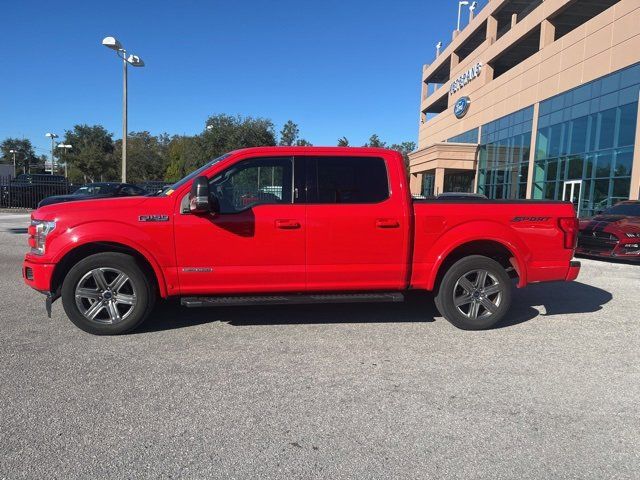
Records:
x=28, y=189
x=461, y=196
x=96, y=190
x=453, y=196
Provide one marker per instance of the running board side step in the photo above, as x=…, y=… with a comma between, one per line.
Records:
x=292, y=299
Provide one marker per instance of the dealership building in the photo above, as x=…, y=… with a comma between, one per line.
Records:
x=535, y=99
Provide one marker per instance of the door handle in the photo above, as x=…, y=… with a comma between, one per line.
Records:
x=287, y=224
x=387, y=223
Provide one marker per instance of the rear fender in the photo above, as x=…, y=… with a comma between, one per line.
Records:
x=473, y=232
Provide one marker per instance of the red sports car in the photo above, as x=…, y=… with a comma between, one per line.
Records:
x=614, y=233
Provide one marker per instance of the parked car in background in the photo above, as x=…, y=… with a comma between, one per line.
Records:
x=461, y=196
x=28, y=189
x=452, y=196
x=614, y=233
x=96, y=190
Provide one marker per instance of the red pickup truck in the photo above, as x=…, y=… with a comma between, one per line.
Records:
x=280, y=225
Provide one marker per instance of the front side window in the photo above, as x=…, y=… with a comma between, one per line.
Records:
x=347, y=180
x=253, y=182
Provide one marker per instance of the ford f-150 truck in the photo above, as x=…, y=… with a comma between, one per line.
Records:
x=276, y=225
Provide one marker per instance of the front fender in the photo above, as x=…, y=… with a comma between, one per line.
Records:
x=144, y=241
x=473, y=232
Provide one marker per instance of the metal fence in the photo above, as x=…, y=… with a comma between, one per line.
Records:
x=28, y=191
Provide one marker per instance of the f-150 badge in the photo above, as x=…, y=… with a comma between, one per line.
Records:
x=153, y=218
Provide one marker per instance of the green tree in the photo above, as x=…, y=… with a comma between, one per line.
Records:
x=343, y=142
x=185, y=154
x=25, y=157
x=405, y=148
x=303, y=143
x=375, y=142
x=174, y=172
x=91, y=154
x=226, y=133
x=289, y=134
x=147, y=156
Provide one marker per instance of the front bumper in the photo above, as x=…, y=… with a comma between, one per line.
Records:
x=38, y=275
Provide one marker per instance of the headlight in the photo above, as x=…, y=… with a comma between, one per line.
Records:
x=38, y=232
x=633, y=235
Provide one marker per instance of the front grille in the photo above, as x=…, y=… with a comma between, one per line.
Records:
x=597, y=241
x=600, y=235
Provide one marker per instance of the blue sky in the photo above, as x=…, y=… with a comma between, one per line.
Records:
x=349, y=67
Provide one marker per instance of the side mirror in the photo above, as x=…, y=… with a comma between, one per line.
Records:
x=199, y=196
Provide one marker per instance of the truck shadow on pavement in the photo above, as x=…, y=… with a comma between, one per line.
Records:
x=559, y=298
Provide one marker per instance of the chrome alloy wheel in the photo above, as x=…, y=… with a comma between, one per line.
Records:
x=477, y=294
x=105, y=295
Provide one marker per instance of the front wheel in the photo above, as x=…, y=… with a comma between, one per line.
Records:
x=475, y=293
x=107, y=294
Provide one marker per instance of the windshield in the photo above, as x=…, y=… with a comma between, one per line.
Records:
x=193, y=174
x=629, y=209
x=95, y=189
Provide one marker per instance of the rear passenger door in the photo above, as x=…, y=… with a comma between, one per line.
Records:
x=356, y=230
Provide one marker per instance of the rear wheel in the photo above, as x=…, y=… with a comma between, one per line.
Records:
x=107, y=294
x=475, y=293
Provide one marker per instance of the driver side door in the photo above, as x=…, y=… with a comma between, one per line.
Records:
x=256, y=244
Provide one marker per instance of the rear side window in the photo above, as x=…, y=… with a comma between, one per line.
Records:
x=347, y=180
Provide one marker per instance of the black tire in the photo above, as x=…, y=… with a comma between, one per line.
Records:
x=137, y=292
x=470, y=297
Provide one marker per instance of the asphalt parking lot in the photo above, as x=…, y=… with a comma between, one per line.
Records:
x=347, y=391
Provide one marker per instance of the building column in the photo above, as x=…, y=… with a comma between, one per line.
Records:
x=455, y=60
x=487, y=71
x=438, y=186
x=492, y=29
x=634, y=193
x=477, y=169
x=415, y=183
x=547, y=33
x=425, y=85
x=532, y=149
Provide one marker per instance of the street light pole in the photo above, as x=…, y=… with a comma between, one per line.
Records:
x=124, y=120
x=134, y=60
x=460, y=4
x=14, y=161
x=472, y=10
x=53, y=136
x=65, y=147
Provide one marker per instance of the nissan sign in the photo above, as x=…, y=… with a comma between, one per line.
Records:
x=466, y=77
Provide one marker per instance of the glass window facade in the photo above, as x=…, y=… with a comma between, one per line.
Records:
x=503, y=164
x=428, y=184
x=587, y=135
x=470, y=136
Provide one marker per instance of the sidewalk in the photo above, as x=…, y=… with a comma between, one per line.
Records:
x=21, y=211
x=14, y=215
